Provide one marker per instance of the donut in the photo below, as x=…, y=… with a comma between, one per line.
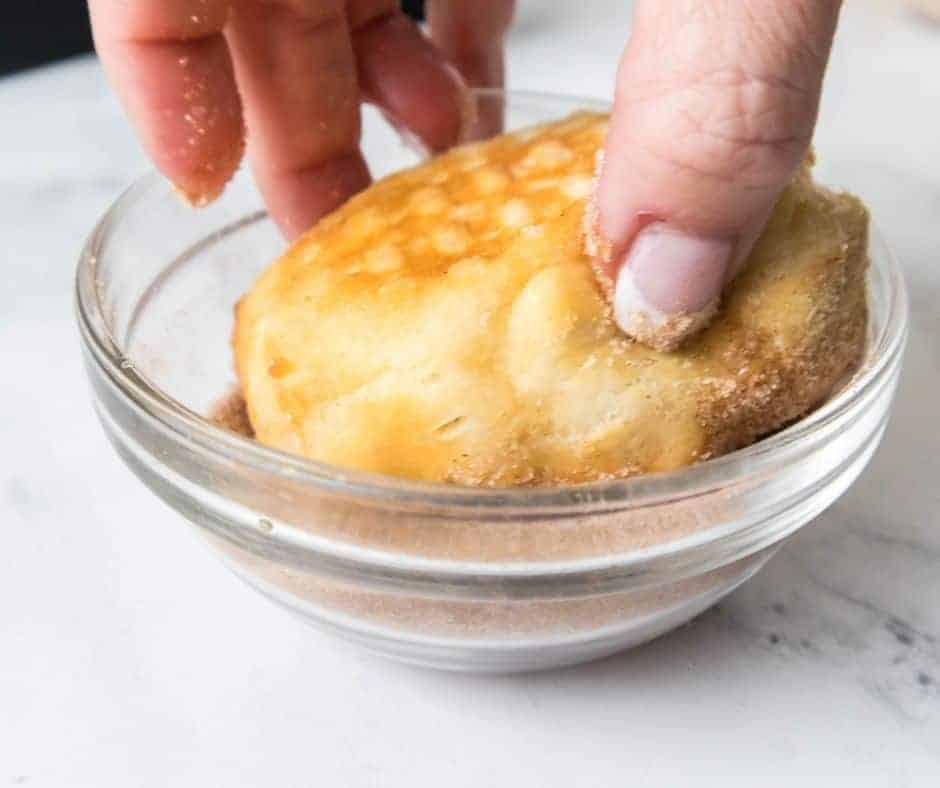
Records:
x=446, y=325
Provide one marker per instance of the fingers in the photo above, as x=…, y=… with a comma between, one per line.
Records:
x=715, y=107
x=471, y=35
x=169, y=64
x=296, y=71
x=402, y=72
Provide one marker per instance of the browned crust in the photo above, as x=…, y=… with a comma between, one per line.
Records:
x=785, y=387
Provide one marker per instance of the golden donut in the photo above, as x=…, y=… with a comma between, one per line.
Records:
x=446, y=325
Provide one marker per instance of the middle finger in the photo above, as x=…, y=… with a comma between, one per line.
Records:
x=296, y=72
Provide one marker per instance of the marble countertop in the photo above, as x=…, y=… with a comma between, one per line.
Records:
x=129, y=656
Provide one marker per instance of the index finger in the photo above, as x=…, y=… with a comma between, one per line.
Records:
x=170, y=66
x=296, y=71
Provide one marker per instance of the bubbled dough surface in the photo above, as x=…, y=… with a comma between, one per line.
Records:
x=445, y=325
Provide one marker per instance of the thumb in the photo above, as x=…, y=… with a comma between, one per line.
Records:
x=715, y=107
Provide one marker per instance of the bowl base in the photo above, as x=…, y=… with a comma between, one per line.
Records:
x=517, y=655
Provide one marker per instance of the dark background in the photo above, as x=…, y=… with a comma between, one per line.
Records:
x=33, y=32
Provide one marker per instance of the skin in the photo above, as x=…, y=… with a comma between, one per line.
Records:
x=715, y=105
x=200, y=77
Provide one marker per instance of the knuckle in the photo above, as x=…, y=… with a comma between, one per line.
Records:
x=462, y=23
x=730, y=125
x=362, y=13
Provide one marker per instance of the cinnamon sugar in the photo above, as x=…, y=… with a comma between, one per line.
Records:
x=231, y=413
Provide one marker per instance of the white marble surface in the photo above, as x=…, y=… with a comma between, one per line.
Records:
x=128, y=656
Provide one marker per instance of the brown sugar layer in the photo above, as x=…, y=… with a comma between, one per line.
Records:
x=446, y=325
x=231, y=413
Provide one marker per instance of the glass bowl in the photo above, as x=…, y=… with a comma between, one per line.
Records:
x=458, y=578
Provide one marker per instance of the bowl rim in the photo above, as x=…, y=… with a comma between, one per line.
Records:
x=642, y=491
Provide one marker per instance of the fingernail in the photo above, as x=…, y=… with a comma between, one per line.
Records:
x=669, y=285
x=469, y=111
x=197, y=199
x=466, y=103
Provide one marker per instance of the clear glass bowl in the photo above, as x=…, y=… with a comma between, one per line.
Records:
x=458, y=578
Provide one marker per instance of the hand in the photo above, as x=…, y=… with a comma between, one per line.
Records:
x=193, y=75
x=715, y=107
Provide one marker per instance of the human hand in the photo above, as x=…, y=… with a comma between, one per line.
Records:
x=715, y=107
x=193, y=75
